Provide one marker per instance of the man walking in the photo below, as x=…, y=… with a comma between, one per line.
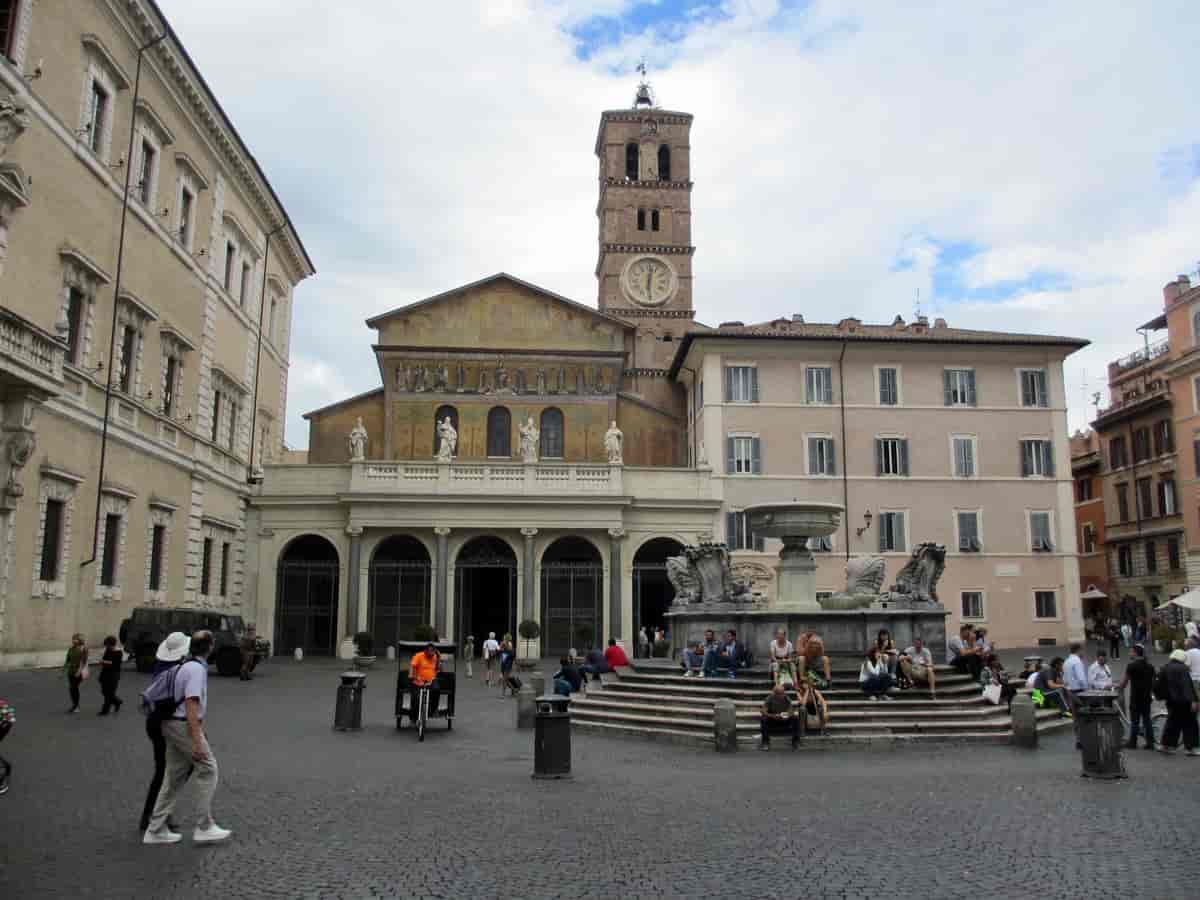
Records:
x=1180, y=695
x=183, y=733
x=249, y=648
x=1139, y=675
x=1075, y=680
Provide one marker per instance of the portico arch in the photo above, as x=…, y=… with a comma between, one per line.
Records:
x=399, y=587
x=306, y=599
x=652, y=591
x=485, y=589
x=572, y=595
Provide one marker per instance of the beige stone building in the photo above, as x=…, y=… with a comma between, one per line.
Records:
x=200, y=322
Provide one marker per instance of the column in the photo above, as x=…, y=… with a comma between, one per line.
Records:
x=527, y=574
x=352, y=578
x=439, y=586
x=615, y=579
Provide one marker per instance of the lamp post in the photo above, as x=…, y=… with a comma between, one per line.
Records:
x=112, y=334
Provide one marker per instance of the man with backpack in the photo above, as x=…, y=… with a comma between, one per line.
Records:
x=183, y=733
x=1174, y=685
x=170, y=655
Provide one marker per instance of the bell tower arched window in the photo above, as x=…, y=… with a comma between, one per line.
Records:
x=664, y=163
x=631, y=162
x=551, y=441
x=499, y=432
x=442, y=413
x=641, y=220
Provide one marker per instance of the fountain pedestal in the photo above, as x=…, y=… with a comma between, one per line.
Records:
x=794, y=523
x=796, y=578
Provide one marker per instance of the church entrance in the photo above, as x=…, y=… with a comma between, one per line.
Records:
x=485, y=590
x=399, y=591
x=652, y=592
x=572, y=591
x=306, y=601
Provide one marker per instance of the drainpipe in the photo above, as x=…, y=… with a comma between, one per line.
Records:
x=262, y=305
x=845, y=475
x=695, y=423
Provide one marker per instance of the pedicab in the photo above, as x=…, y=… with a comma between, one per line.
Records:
x=417, y=705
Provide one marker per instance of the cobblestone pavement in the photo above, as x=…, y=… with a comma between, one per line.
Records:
x=317, y=813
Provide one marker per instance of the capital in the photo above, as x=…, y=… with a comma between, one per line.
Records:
x=529, y=532
x=441, y=530
x=354, y=530
x=616, y=533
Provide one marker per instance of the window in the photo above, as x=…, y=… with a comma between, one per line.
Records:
x=186, y=201
x=1166, y=497
x=1083, y=490
x=1122, y=502
x=968, y=531
x=206, y=566
x=216, y=417
x=1045, y=605
x=230, y=254
x=551, y=441
x=52, y=536
x=1033, y=388
x=1116, y=453
x=146, y=174
x=741, y=384
x=1141, y=444
x=821, y=459
x=1125, y=559
x=75, y=310
x=891, y=532
x=224, y=591
x=641, y=220
x=272, y=308
x=1173, y=554
x=158, y=539
x=889, y=386
x=664, y=163
x=959, y=387
x=1164, y=437
x=231, y=437
x=1151, y=557
x=169, y=379
x=744, y=456
x=1145, y=506
x=631, y=161
x=891, y=456
x=654, y=220
x=964, y=456
x=1037, y=458
x=818, y=384
x=8, y=28
x=1089, y=537
x=499, y=432
x=972, y=605
x=738, y=533
x=112, y=542
x=244, y=295
x=97, y=119
x=127, y=363
x=1039, y=532
x=821, y=544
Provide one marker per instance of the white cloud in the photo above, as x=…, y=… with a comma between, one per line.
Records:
x=421, y=146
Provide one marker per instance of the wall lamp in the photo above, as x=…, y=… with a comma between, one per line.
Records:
x=866, y=523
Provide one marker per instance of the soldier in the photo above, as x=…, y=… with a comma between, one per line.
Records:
x=249, y=654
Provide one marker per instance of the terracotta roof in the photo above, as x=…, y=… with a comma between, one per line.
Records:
x=854, y=330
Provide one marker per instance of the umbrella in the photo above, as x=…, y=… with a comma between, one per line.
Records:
x=1190, y=600
x=1093, y=593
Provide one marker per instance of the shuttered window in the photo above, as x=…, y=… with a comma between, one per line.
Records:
x=959, y=387
x=891, y=532
x=741, y=384
x=891, y=456
x=821, y=460
x=968, y=532
x=1033, y=388
x=1039, y=532
x=1037, y=458
x=889, y=387
x=818, y=384
x=743, y=456
x=964, y=457
x=738, y=534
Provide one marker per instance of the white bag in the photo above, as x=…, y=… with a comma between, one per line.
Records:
x=991, y=694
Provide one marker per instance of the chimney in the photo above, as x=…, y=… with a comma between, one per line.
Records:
x=797, y=319
x=898, y=323
x=1173, y=290
x=939, y=322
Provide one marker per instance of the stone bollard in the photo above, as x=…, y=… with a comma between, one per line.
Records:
x=537, y=681
x=725, y=726
x=391, y=653
x=526, y=707
x=1024, y=721
x=298, y=655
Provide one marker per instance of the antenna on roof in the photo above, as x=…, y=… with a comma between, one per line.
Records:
x=918, y=309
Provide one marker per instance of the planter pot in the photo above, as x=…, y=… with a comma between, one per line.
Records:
x=364, y=662
x=346, y=649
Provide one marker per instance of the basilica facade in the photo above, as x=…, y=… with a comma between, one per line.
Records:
x=527, y=456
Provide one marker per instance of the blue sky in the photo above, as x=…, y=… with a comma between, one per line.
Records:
x=669, y=20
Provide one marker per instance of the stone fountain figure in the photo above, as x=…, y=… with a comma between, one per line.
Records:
x=864, y=577
x=916, y=583
x=701, y=575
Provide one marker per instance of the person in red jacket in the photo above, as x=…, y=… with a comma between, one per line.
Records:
x=614, y=655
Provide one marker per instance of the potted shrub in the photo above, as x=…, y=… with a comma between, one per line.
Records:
x=529, y=631
x=425, y=633
x=364, y=650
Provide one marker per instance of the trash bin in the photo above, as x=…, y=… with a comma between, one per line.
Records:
x=1101, y=734
x=552, y=737
x=347, y=715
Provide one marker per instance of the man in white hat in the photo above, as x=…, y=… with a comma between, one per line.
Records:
x=1182, y=705
x=171, y=652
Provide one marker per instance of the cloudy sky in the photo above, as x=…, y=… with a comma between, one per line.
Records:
x=1030, y=167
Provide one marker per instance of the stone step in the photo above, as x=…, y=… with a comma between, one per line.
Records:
x=779, y=744
x=877, y=712
x=738, y=689
x=762, y=673
x=904, y=700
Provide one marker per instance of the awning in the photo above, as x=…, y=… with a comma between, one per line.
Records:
x=1190, y=600
x=1093, y=593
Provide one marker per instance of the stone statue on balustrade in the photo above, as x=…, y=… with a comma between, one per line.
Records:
x=701, y=576
x=418, y=378
x=442, y=378
x=541, y=381
x=358, y=442
x=529, y=441
x=447, y=441
x=519, y=381
x=614, y=442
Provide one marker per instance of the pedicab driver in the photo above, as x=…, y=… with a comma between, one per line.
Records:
x=423, y=671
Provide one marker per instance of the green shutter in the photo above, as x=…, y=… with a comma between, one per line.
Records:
x=730, y=459
x=755, y=456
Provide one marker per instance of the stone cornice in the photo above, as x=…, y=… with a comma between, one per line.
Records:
x=147, y=112
x=631, y=312
x=656, y=184
x=96, y=48
x=666, y=249
x=186, y=162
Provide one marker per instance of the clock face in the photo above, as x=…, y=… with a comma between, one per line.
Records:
x=649, y=281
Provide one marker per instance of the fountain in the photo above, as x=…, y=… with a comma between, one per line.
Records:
x=794, y=523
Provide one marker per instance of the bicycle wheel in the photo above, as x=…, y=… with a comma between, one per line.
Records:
x=422, y=713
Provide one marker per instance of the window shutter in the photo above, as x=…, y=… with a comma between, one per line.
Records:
x=1162, y=498
x=1026, y=460
x=1043, y=392
x=728, y=384
x=947, y=387
x=813, y=467
x=731, y=459
x=903, y=456
x=898, y=522
x=878, y=456
x=1048, y=450
x=831, y=456
x=968, y=458
x=828, y=396
x=754, y=384
x=731, y=530
x=971, y=388
x=809, y=394
x=755, y=456
x=884, y=518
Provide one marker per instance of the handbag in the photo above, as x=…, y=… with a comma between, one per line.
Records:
x=991, y=694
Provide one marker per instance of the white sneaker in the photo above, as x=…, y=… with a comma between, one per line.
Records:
x=687, y=673
x=212, y=833
x=701, y=674
x=166, y=836
x=874, y=699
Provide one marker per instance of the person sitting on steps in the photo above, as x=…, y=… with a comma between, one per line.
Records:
x=814, y=664
x=963, y=654
x=694, y=658
x=568, y=679
x=873, y=677
x=916, y=665
x=1048, y=685
x=777, y=715
x=728, y=651
x=780, y=652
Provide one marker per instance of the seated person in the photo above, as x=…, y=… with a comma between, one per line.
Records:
x=982, y=644
x=694, y=657
x=780, y=653
x=812, y=703
x=963, y=654
x=887, y=650
x=916, y=665
x=568, y=679
x=423, y=671
x=726, y=652
x=594, y=663
x=873, y=677
x=1048, y=685
x=1099, y=674
x=614, y=655
x=777, y=715
x=994, y=674
x=814, y=664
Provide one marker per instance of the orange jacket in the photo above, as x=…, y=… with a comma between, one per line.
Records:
x=423, y=669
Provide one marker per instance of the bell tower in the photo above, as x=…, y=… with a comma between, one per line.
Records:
x=644, y=265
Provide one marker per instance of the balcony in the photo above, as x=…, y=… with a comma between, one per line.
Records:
x=1145, y=355
x=1136, y=400
x=29, y=357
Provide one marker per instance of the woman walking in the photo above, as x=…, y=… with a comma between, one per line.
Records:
x=110, y=676
x=171, y=652
x=75, y=668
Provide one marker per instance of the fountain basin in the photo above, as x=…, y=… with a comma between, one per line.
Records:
x=795, y=519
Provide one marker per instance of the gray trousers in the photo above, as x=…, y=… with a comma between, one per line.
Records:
x=179, y=760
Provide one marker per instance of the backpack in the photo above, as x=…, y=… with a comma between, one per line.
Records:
x=158, y=699
x=1159, y=688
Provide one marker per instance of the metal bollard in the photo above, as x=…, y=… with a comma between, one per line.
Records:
x=347, y=715
x=526, y=707
x=725, y=726
x=552, y=737
x=298, y=655
x=537, y=680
